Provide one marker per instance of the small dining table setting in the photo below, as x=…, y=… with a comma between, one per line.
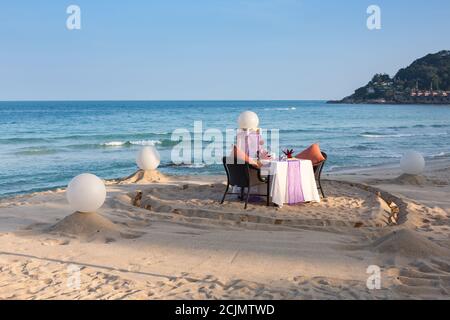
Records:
x=286, y=180
x=292, y=180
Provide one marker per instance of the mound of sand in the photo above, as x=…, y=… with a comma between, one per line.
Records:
x=144, y=176
x=411, y=179
x=88, y=226
x=408, y=243
x=417, y=180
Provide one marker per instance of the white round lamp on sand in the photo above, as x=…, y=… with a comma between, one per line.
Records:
x=248, y=120
x=412, y=163
x=148, y=158
x=86, y=193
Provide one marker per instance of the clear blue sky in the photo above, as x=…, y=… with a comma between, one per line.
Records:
x=209, y=49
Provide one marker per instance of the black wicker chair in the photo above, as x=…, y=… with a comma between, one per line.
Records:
x=245, y=176
x=318, y=167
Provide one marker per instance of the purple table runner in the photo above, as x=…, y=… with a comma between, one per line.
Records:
x=294, y=183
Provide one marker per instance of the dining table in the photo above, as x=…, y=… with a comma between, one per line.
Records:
x=292, y=181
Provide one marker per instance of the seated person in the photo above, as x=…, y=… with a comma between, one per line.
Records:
x=252, y=144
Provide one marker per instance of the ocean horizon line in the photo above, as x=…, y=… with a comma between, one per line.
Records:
x=168, y=100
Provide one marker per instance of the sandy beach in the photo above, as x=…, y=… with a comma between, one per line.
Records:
x=167, y=237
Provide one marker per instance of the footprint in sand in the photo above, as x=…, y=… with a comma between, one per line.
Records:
x=55, y=242
x=134, y=268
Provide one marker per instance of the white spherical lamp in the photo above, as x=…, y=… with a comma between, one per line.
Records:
x=86, y=193
x=248, y=120
x=412, y=162
x=148, y=158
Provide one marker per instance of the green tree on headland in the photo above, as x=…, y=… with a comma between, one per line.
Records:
x=431, y=71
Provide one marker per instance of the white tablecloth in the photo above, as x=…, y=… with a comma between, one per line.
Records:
x=279, y=182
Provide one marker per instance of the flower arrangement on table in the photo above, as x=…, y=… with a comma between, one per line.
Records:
x=289, y=153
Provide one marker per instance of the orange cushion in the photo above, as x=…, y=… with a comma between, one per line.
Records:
x=243, y=157
x=312, y=153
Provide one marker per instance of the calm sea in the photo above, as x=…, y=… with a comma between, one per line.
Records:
x=44, y=144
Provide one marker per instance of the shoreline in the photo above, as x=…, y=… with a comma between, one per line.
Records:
x=393, y=167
